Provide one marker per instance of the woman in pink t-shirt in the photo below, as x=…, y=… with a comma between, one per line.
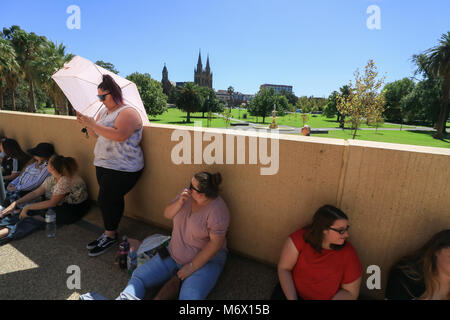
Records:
x=197, y=251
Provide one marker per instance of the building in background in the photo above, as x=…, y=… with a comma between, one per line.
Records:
x=203, y=78
x=238, y=97
x=278, y=87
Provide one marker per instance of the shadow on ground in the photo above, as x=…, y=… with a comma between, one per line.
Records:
x=36, y=267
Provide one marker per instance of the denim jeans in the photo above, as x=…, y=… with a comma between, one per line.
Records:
x=156, y=272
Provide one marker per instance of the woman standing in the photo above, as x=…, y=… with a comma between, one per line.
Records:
x=119, y=160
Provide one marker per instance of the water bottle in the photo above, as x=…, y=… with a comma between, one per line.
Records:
x=124, y=247
x=131, y=262
x=50, y=219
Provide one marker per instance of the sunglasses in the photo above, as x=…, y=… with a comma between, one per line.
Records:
x=340, y=231
x=102, y=97
x=191, y=187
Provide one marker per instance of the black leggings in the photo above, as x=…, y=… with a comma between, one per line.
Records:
x=114, y=185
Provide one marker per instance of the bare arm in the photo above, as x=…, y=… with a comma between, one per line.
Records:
x=288, y=259
x=349, y=291
x=214, y=245
x=12, y=176
x=26, y=198
x=171, y=210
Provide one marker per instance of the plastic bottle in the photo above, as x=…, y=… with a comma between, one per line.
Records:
x=131, y=262
x=50, y=219
x=124, y=247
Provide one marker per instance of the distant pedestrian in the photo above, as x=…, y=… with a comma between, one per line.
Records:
x=306, y=130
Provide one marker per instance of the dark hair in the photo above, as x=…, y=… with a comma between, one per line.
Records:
x=65, y=166
x=108, y=84
x=421, y=265
x=322, y=220
x=12, y=149
x=209, y=183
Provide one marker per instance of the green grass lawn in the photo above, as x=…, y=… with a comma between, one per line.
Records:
x=178, y=117
x=295, y=120
x=418, y=138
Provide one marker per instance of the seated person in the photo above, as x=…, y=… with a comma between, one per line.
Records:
x=425, y=274
x=318, y=263
x=33, y=175
x=64, y=191
x=13, y=162
x=197, y=250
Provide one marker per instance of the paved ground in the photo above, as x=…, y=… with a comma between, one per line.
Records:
x=289, y=129
x=35, y=267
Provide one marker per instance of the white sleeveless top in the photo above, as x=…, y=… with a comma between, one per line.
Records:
x=121, y=156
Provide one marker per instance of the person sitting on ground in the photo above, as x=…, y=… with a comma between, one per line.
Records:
x=197, y=250
x=13, y=162
x=425, y=274
x=65, y=192
x=2, y=154
x=306, y=130
x=318, y=263
x=33, y=175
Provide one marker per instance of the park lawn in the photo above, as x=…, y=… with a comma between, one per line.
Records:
x=178, y=117
x=295, y=120
x=418, y=138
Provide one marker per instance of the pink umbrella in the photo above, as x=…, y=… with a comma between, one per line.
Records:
x=79, y=79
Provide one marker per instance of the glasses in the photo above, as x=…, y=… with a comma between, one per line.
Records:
x=191, y=187
x=102, y=97
x=340, y=231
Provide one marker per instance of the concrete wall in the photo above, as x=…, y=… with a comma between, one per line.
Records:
x=396, y=196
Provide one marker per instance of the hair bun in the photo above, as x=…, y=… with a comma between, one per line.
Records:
x=216, y=179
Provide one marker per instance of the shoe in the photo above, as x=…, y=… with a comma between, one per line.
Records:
x=94, y=243
x=103, y=245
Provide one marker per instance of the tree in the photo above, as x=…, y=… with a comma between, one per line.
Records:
x=210, y=101
x=53, y=58
x=189, y=99
x=107, y=65
x=394, y=93
x=230, y=91
x=438, y=64
x=9, y=68
x=330, y=109
x=28, y=47
x=364, y=100
x=292, y=98
x=423, y=103
x=262, y=104
x=151, y=92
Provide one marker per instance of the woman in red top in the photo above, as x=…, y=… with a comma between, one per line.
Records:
x=318, y=263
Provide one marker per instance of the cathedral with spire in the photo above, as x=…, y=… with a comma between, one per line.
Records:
x=202, y=77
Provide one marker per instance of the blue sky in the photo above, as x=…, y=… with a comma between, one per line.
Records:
x=315, y=46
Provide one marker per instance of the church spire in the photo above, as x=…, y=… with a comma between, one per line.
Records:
x=207, y=65
x=199, y=63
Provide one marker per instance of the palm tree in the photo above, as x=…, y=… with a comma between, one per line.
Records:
x=52, y=59
x=438, y=64
x=230, y=91
x=28, y=47
x=8, y=66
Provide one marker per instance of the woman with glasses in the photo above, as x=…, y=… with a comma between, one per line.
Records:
x=197, y=250
x=318, y=263
x=118, y=161
x=424, y=274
